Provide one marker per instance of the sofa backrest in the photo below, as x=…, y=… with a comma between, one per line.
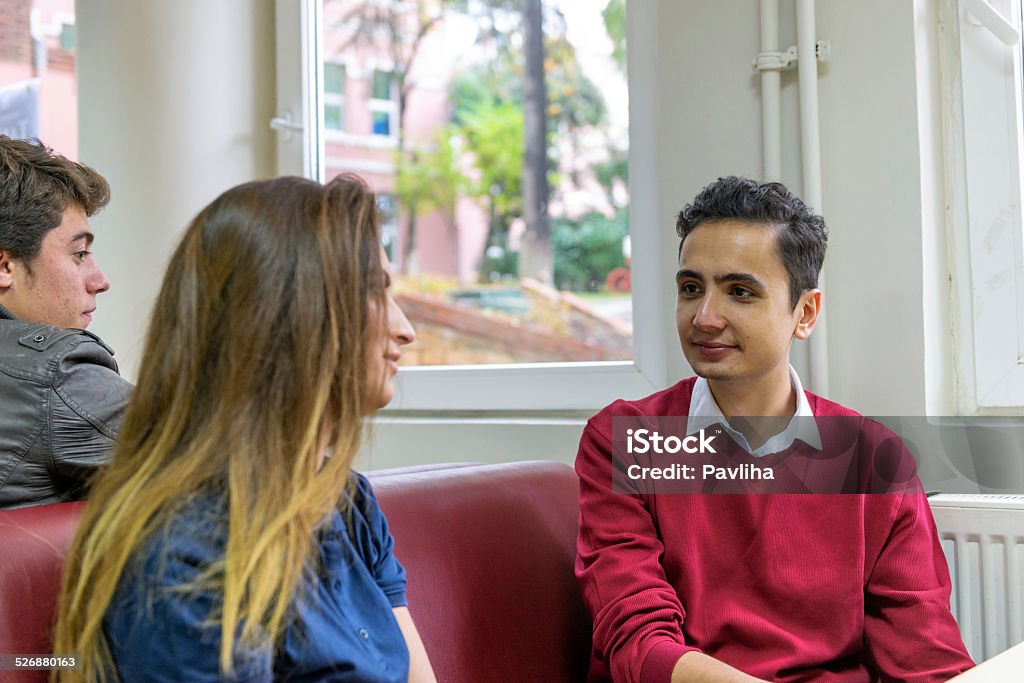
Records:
x=489, y=551
x=33, y=544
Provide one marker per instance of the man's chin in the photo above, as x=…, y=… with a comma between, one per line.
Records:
x=710, y=371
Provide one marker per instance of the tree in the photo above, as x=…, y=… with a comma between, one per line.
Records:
x=494, y=137
x=535, y=256
x=544, y=80
x=399, y=28
x=489, y=107
x=614, y=16
x=430, y=180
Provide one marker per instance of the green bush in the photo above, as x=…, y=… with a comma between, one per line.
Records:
x=503, y=267
x=587, y=249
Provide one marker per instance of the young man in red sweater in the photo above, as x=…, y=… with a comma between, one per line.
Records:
x=818, y=586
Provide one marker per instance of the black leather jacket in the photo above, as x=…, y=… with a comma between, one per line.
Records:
x=61, y=403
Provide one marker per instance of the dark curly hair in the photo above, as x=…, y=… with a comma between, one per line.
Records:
x=801, y=235
x=36, y=186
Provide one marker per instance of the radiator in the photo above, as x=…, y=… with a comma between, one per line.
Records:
x=983, y=538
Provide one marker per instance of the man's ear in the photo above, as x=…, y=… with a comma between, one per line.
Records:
x=809, y=308
x=7, y=267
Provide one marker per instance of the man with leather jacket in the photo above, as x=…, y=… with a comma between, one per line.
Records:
x=61, y=398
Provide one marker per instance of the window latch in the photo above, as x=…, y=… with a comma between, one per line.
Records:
x=285, y=126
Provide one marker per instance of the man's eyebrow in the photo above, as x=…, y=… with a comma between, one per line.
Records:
x=86, y=235
x=742, y=278
x=692, y=274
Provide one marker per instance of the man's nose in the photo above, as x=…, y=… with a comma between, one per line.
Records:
x=708, y=315
x=97, y=282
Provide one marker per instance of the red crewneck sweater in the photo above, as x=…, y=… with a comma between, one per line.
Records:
x=795, y=587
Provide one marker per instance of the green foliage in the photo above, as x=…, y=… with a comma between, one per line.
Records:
x=614, y=16
x=494, y=134
x=485, y=85
x=574, y=101
x=608, y=172
x=494, y=268
x=487, y=104
x=430, y=179
x=587, y=249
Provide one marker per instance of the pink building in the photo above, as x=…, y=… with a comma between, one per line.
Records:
x=366, y=46
x=37, y=41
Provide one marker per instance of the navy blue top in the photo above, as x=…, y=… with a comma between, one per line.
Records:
x=343, y=627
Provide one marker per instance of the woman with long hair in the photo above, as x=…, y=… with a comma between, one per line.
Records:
x=229, y=538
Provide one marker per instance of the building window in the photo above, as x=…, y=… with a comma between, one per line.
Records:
x=383, y=103
x=67, y=37
x=334, y=96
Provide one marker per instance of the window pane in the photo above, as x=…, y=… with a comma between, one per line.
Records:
x=67, y=37
x=381, y=85
x=334, y=79
x=488, y=271
x=381, y=123
x=333, y=117
x=37, y=73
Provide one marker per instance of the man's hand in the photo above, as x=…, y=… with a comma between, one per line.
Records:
x=696, y=667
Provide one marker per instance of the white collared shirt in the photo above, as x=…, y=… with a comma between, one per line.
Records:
x=704, y=412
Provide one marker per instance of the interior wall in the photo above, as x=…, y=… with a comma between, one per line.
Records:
x=872, y=179
x=874, y=166
x=175, y=99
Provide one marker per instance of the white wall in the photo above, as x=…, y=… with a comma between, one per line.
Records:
x=872, y=195
x=175, y=99
x=871, y=170
x=174, y=104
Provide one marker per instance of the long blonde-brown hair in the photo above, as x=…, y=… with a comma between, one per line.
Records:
x=254, y=361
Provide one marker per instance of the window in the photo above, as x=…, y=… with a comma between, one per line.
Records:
x=383, y=103
x=334, y=96
x=558, y=332
x=67, y=37
x=983, y=84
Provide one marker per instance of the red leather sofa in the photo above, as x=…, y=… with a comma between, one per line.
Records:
x=489, y=550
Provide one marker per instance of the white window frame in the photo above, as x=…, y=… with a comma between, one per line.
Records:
x=540, y=386
x=983, y=133
x=300, y=85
